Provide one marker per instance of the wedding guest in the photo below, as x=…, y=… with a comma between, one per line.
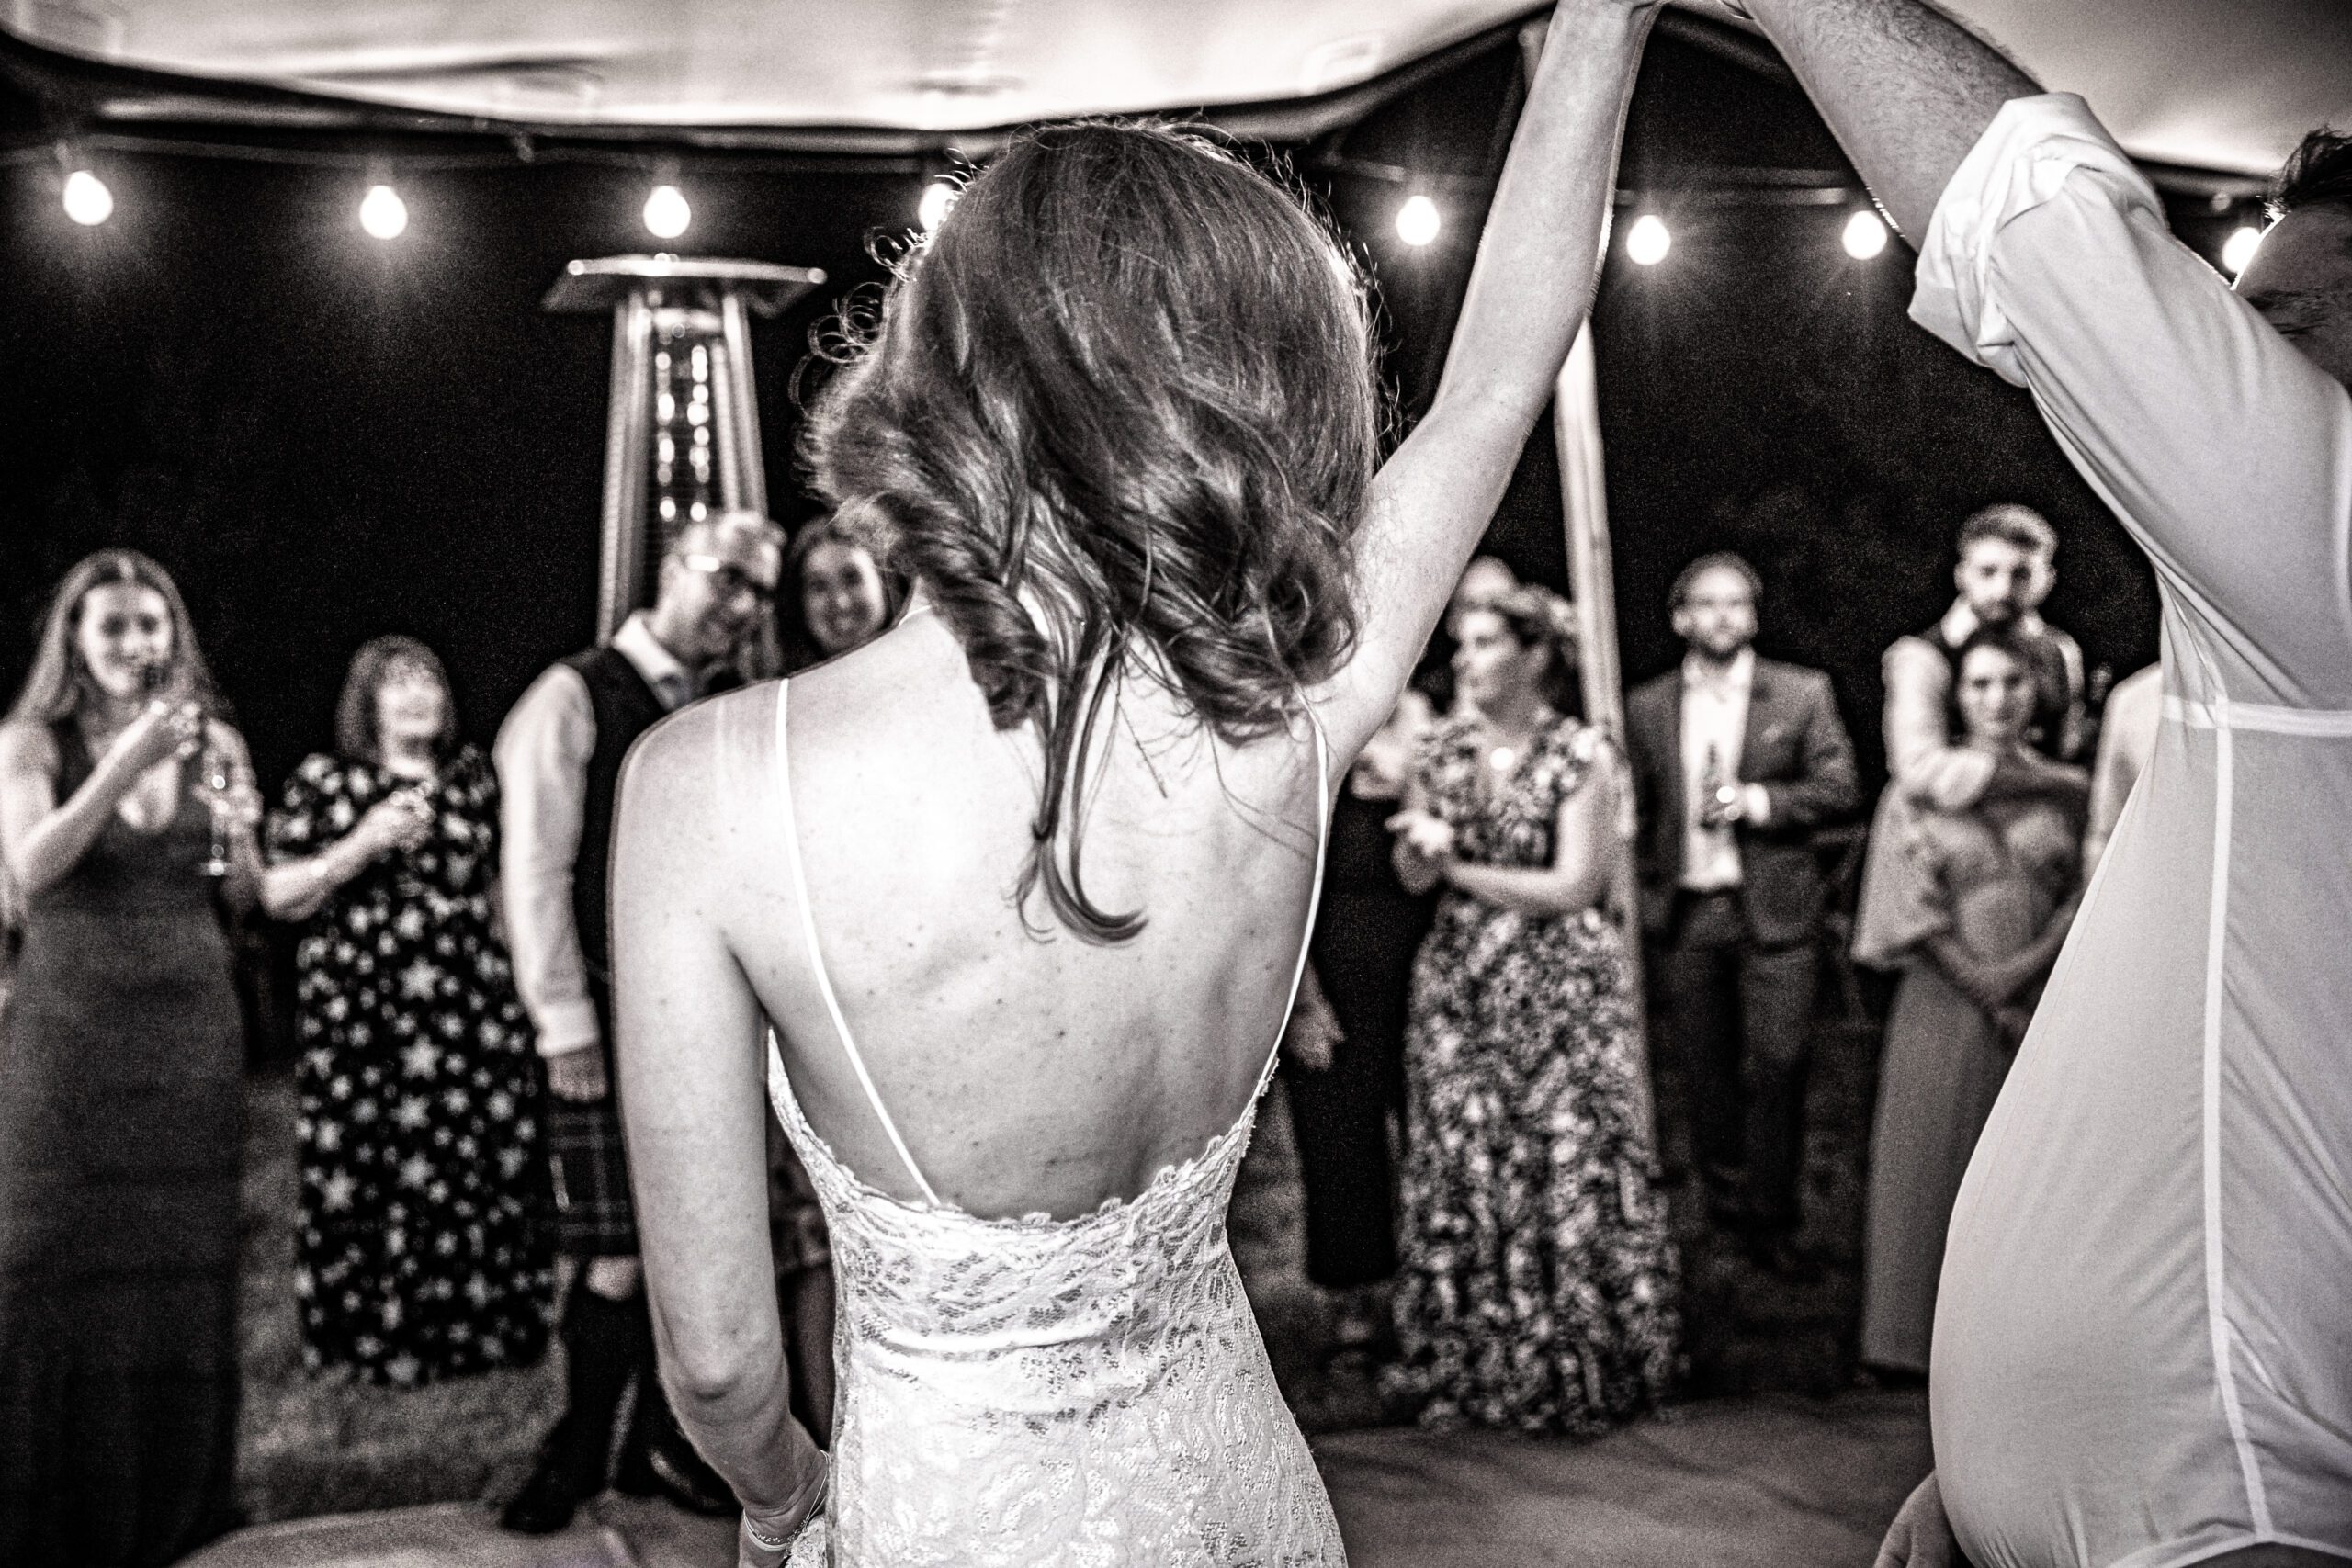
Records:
x=1737, y=759
x=126, y=819
x=1972, y=905
x=1538, y=1289
x=844, y=597
x=2140, y=1351
x=2127, y=742
x=559, y=757
x=420, y=1251
x=1344, y=1052
x=2007, y=566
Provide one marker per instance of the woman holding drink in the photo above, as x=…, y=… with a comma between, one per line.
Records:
x=419, y=1251
x=125, y=822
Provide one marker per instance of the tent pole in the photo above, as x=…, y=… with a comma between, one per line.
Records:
x=1584, y=505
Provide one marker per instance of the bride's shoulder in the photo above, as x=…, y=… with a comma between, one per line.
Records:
x=696, y=760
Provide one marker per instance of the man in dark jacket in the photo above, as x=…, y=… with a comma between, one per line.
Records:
x=1737, y=759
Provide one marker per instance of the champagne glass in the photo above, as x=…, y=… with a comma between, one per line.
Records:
x=212, y=784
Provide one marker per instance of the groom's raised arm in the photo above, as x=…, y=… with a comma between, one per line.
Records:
x=1906, y=90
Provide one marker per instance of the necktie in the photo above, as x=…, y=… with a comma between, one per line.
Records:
x=672, y=689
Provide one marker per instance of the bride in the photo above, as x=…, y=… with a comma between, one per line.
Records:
x=1021, y=887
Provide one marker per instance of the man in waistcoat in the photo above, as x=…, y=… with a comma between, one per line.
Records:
x=559, y=757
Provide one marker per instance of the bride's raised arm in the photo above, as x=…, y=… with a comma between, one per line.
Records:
x=1529, y=291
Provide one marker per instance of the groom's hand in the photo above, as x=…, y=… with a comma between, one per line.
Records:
x=578, y=1076
x=1920, y=1535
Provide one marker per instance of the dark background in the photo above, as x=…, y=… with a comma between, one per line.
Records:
x=325, y=437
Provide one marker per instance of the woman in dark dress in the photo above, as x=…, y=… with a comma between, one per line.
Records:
x=1344, y=1054
x=126, y=817
x=1538, y=1286
x=420, y=1249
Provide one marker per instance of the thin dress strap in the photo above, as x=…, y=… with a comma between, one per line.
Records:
x=1314, y=892
x=816, y=956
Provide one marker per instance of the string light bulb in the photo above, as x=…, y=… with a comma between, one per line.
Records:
x=87, y=200
x=2238, y=251
x=666, y=212
x=382, y=212
x=937, y=198
x=1865, y=234
x=1419, y=221
x=1648, y=240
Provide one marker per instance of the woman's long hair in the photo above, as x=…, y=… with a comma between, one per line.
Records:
x=1127, y=384
x=59, y=685
x=377, y=660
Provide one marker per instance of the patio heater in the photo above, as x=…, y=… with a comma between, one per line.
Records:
x=681, y=434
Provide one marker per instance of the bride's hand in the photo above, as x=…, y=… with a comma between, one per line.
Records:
x=760, y=1527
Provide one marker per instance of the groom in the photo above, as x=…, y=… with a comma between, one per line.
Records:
x=2140, y=1351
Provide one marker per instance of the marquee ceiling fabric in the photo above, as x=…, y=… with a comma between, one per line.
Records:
x=2222, y=84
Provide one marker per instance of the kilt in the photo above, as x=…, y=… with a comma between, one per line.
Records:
x=589, y=1169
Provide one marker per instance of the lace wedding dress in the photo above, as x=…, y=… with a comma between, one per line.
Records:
x=1089, y=1392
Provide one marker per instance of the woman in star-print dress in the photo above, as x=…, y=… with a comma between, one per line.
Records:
x=421, y=1251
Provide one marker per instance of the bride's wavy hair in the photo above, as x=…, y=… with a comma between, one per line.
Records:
x=1127, y=385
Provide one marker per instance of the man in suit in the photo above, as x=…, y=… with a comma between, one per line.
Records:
x=1736, y=760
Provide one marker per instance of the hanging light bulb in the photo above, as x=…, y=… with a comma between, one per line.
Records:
x=1419, y=221
x=2240, y=248
x=382, y=212
x=1649, y=240
x=87, y=200
x=666, y=212
x=937, y=198
x=1865, y=234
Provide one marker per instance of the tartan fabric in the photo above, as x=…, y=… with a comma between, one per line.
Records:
x=593, y=1215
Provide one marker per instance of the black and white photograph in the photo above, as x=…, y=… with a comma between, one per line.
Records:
x=1176, y=783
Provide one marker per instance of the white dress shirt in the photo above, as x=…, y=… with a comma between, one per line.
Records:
x=1714, y=720
x=2141, y=1349
x=542, y=759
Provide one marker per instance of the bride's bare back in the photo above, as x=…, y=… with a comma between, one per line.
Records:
x=1025, y=1073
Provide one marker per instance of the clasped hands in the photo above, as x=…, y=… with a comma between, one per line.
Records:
x=1424, y=834
x=401, y=820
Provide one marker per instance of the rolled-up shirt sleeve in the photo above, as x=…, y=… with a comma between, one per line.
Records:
x=2226, y=452
x=542, y=757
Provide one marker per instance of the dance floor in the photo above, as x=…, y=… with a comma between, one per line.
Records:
x=1777, y=1481
x=1755, y=1469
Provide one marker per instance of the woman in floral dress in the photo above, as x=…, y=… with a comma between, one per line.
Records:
x=421, y=1250
x=1538, y=1289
